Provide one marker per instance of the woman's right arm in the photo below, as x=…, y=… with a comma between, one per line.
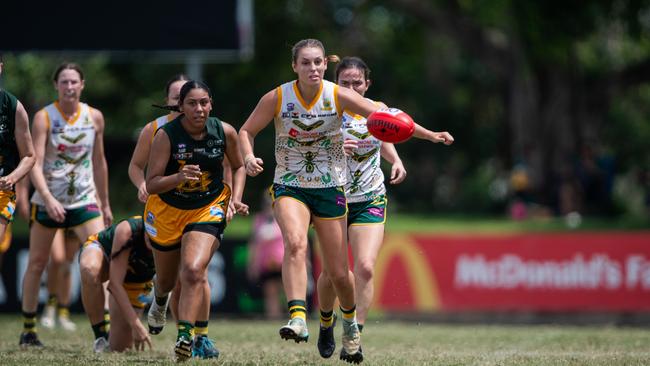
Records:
x=39, y=133
x=118, y=267
x=139, y=161
x=261, y=116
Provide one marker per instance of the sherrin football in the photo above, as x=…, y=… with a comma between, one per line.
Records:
x=390, y=125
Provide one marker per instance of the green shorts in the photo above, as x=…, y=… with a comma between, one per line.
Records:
x=368, y=212
x=73, y=217
x=327, y=203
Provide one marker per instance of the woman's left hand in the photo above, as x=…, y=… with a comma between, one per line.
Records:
x=397, y=173
x=6, y=184
x=241, y=208
x=349, y=146
x=231, y=212
x=107, y=214
x=444, y=137
x=141, y=336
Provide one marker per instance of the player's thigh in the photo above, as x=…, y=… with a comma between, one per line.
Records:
x=57, y=255
x=332, y=238
x=293, y=218
x=89, y=228
x=40, y=243
x=366, y=240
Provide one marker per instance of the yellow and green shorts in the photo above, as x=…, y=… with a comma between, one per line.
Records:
x=368, y=212
x=7, y=205
x=73, y=217
x=165, y=224
x=138, y=293
x=326, y=203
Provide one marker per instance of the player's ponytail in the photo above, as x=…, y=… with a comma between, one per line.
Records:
x=173, y=108
x=333, y=58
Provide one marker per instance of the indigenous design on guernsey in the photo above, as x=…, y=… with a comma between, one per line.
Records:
x=365, y=178
x=158, y=123
x=208, y=154
x=308, y=139
x=8, y=149
x=68, y=160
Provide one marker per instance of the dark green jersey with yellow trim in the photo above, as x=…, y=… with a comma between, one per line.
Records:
x=207, y=153
x=141, y=266
x=8, y=149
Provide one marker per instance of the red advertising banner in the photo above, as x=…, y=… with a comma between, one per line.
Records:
x=596, y=271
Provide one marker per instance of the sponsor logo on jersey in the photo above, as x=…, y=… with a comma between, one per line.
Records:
x=327, y=105
x=150, y=218
x=217, y=212
x=290, y=107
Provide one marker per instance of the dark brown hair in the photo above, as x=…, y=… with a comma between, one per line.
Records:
x=67, y=66
x=352, y=62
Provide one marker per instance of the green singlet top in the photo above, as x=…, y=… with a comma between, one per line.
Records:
x=8, y=149
x=207, y=153
x=141, y=265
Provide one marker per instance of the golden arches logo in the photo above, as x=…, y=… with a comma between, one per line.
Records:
x=422, y=278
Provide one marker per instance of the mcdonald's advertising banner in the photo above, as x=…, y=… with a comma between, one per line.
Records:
x=592, y=271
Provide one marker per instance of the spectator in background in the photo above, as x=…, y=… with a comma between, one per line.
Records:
x=266, y=250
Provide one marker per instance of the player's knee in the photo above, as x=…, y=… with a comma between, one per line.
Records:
x=294, y=240
x=66, y=267
x=193, y=275
x=364, y=270
x=340, y=279
x=37, y=264
x=90, y=272
x=295, y=247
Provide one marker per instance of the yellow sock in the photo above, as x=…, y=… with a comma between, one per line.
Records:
x=298, y=309
x=201, y=328
x=326, y=318
x=349, y=314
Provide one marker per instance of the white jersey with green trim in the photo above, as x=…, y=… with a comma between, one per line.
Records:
x=365, y=178
x=68, y=159
x=159, y=122
x=308, y=138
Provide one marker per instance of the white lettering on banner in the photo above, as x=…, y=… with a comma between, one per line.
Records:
x=637, y=272
x=511, y=271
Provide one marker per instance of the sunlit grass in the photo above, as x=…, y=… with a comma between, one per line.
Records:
x=255, y=342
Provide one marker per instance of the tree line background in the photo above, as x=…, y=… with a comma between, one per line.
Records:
x=548, y=100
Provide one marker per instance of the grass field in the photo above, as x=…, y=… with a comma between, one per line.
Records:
x=413, y=223
x=256, y=342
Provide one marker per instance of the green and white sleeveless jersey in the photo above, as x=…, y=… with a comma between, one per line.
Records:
x=68, y=160
x=308, y=138
x=159, y=122
x=9, y=157
x=365, y=178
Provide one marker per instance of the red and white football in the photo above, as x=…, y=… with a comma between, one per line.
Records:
x=390, y=125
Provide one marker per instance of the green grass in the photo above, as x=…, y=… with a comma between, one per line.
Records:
x=255, y=342
x=240, y=227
